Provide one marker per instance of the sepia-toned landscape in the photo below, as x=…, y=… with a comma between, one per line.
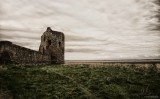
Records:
x=79, y=49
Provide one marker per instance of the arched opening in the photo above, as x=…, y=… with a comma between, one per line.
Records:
x=59, y=44
x=43, y=50
x=53, y=59
x=48, y=43
x=44, y=38
x=5, y=57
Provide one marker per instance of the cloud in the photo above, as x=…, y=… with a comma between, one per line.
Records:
x=4, y=36
x=77, y=38
x=83, y=50
x=94, y=29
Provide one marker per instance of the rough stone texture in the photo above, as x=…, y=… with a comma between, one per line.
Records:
x=52, y=43
x=50, y=51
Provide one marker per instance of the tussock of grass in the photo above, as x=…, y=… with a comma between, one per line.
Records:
x=79, y=82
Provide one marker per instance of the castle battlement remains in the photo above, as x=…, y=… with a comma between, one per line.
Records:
x=51, y=50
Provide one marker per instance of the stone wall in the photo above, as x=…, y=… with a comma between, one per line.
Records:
x=12, y=53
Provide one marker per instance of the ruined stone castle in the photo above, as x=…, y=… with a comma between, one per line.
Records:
x=51, y=50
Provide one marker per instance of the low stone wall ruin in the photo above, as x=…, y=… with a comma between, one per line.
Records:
x=11, y=53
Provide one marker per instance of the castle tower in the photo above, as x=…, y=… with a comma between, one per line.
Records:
x=52, y=43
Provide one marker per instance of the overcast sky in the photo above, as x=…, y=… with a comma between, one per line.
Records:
x=94, y=29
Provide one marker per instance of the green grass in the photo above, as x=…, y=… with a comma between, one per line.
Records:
x=79, y=82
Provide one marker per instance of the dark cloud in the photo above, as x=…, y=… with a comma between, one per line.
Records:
x=77, y=38
x=157, y=15
x=5, y=36
x=23, y=43
x=12, y=29
x=83, y=50
x=18, y=33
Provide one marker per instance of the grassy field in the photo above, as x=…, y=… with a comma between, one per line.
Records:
x=79, y=82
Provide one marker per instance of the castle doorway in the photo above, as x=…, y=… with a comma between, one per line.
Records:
x=53, y=59
x=5, y=58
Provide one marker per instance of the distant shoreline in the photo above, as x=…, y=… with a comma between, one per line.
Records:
x=115, y=61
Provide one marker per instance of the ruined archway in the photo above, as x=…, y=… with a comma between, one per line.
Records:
x=5, y=58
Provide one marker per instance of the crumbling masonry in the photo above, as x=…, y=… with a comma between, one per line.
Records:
x=51, y=50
